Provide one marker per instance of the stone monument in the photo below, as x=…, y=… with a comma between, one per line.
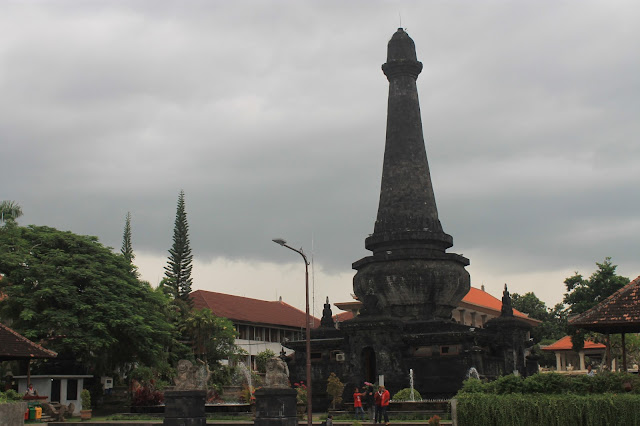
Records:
x=276, y=401
x=410, y=284
x=185, y=405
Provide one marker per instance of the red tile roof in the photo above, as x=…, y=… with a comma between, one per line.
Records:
x=343, y=316
x=244, y=309
x=618, y=313
x=475, y=299
x=480, y=298
x=15, y=346
x=565, y=344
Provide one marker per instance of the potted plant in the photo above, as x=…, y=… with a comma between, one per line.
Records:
x=85, y=398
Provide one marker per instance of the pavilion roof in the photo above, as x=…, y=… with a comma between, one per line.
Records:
x=618, y=313
x=15, y=346
x=565, y=344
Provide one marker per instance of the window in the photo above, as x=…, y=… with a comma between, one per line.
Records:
x=449, y=350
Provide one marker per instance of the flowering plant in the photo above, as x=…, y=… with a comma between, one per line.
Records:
x=247, y=394
x=301, y=388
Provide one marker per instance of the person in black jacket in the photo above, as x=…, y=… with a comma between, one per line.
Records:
x=368, y=400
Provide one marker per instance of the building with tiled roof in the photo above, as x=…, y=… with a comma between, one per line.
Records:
x=14, y=346
x=618, y=313
x=260, y=324
x=475, y=309
x=569, y=360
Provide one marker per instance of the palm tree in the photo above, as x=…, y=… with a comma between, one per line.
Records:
x=9, y=211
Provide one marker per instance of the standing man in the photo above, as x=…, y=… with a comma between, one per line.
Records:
x=382, y=404
x=357, y=404
x=369, y=400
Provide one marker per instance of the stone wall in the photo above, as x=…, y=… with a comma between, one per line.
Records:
x=12, y=413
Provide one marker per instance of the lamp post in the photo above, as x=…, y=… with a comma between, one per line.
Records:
x=283, y=243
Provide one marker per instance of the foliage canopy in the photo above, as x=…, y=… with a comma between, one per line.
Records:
x=583, y=294
x=78, y=298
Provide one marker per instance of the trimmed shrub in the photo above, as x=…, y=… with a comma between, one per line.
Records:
x=507, y=384
x=473, y=385
x=553, y=384
x=405, y=395
x=548, y=410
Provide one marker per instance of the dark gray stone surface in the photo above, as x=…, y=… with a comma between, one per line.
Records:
x=185, y=408
x=276, y=407
x=409, y=276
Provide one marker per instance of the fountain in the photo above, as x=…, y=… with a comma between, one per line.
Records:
x=412, y=394
x=473, y=373
x=246, y=373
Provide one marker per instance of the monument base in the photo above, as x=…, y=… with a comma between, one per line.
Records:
x=185, y=408
x=276, y=407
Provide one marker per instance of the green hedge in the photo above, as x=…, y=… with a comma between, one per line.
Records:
x=553, y=383
x=548, y=410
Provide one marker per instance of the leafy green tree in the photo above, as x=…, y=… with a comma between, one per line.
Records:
x=530, y=304
x=583, y=294
x=9, y=211
x=178, y=270
x=77, y=297
x=212, y=337
x=335, y=388
x=554, y=320
x=262, y=358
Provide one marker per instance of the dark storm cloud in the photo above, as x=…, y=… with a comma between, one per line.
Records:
x=271, y=117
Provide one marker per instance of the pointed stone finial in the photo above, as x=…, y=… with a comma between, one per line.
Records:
x=327, y=316
x=507, y=309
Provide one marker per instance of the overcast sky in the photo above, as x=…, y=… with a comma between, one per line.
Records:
x=271, y=117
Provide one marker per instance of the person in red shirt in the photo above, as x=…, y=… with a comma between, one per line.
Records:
x=382, y=398
x=357, y=404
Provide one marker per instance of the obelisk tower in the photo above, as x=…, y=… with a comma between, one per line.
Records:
x=410, y=276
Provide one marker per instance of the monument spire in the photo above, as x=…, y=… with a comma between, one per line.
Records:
x=410, y=275
x=407, y=212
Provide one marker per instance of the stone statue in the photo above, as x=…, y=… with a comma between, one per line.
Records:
x=191, y=377
x=277, y=373
x=507, y=309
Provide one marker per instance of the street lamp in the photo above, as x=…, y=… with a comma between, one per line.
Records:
x=283, y=243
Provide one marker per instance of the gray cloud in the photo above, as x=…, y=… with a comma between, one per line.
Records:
x=271, y=117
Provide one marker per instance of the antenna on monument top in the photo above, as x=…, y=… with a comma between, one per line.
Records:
x=400, y=18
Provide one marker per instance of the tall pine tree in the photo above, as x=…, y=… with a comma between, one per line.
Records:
x=127, y=248
x=178, y=280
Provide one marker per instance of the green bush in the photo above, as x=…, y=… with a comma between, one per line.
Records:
x=507, y=384
x=549, y=410
x=473, y=385
x=10, y=395
x=553, y=384
x=405, y=395
x=549, y=383
x=85, y=398
x=262, y=358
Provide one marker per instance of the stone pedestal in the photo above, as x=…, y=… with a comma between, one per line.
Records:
x=185, y=408
x=276, y=407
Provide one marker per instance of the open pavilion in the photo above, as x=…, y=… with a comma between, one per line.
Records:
x=617, y=314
